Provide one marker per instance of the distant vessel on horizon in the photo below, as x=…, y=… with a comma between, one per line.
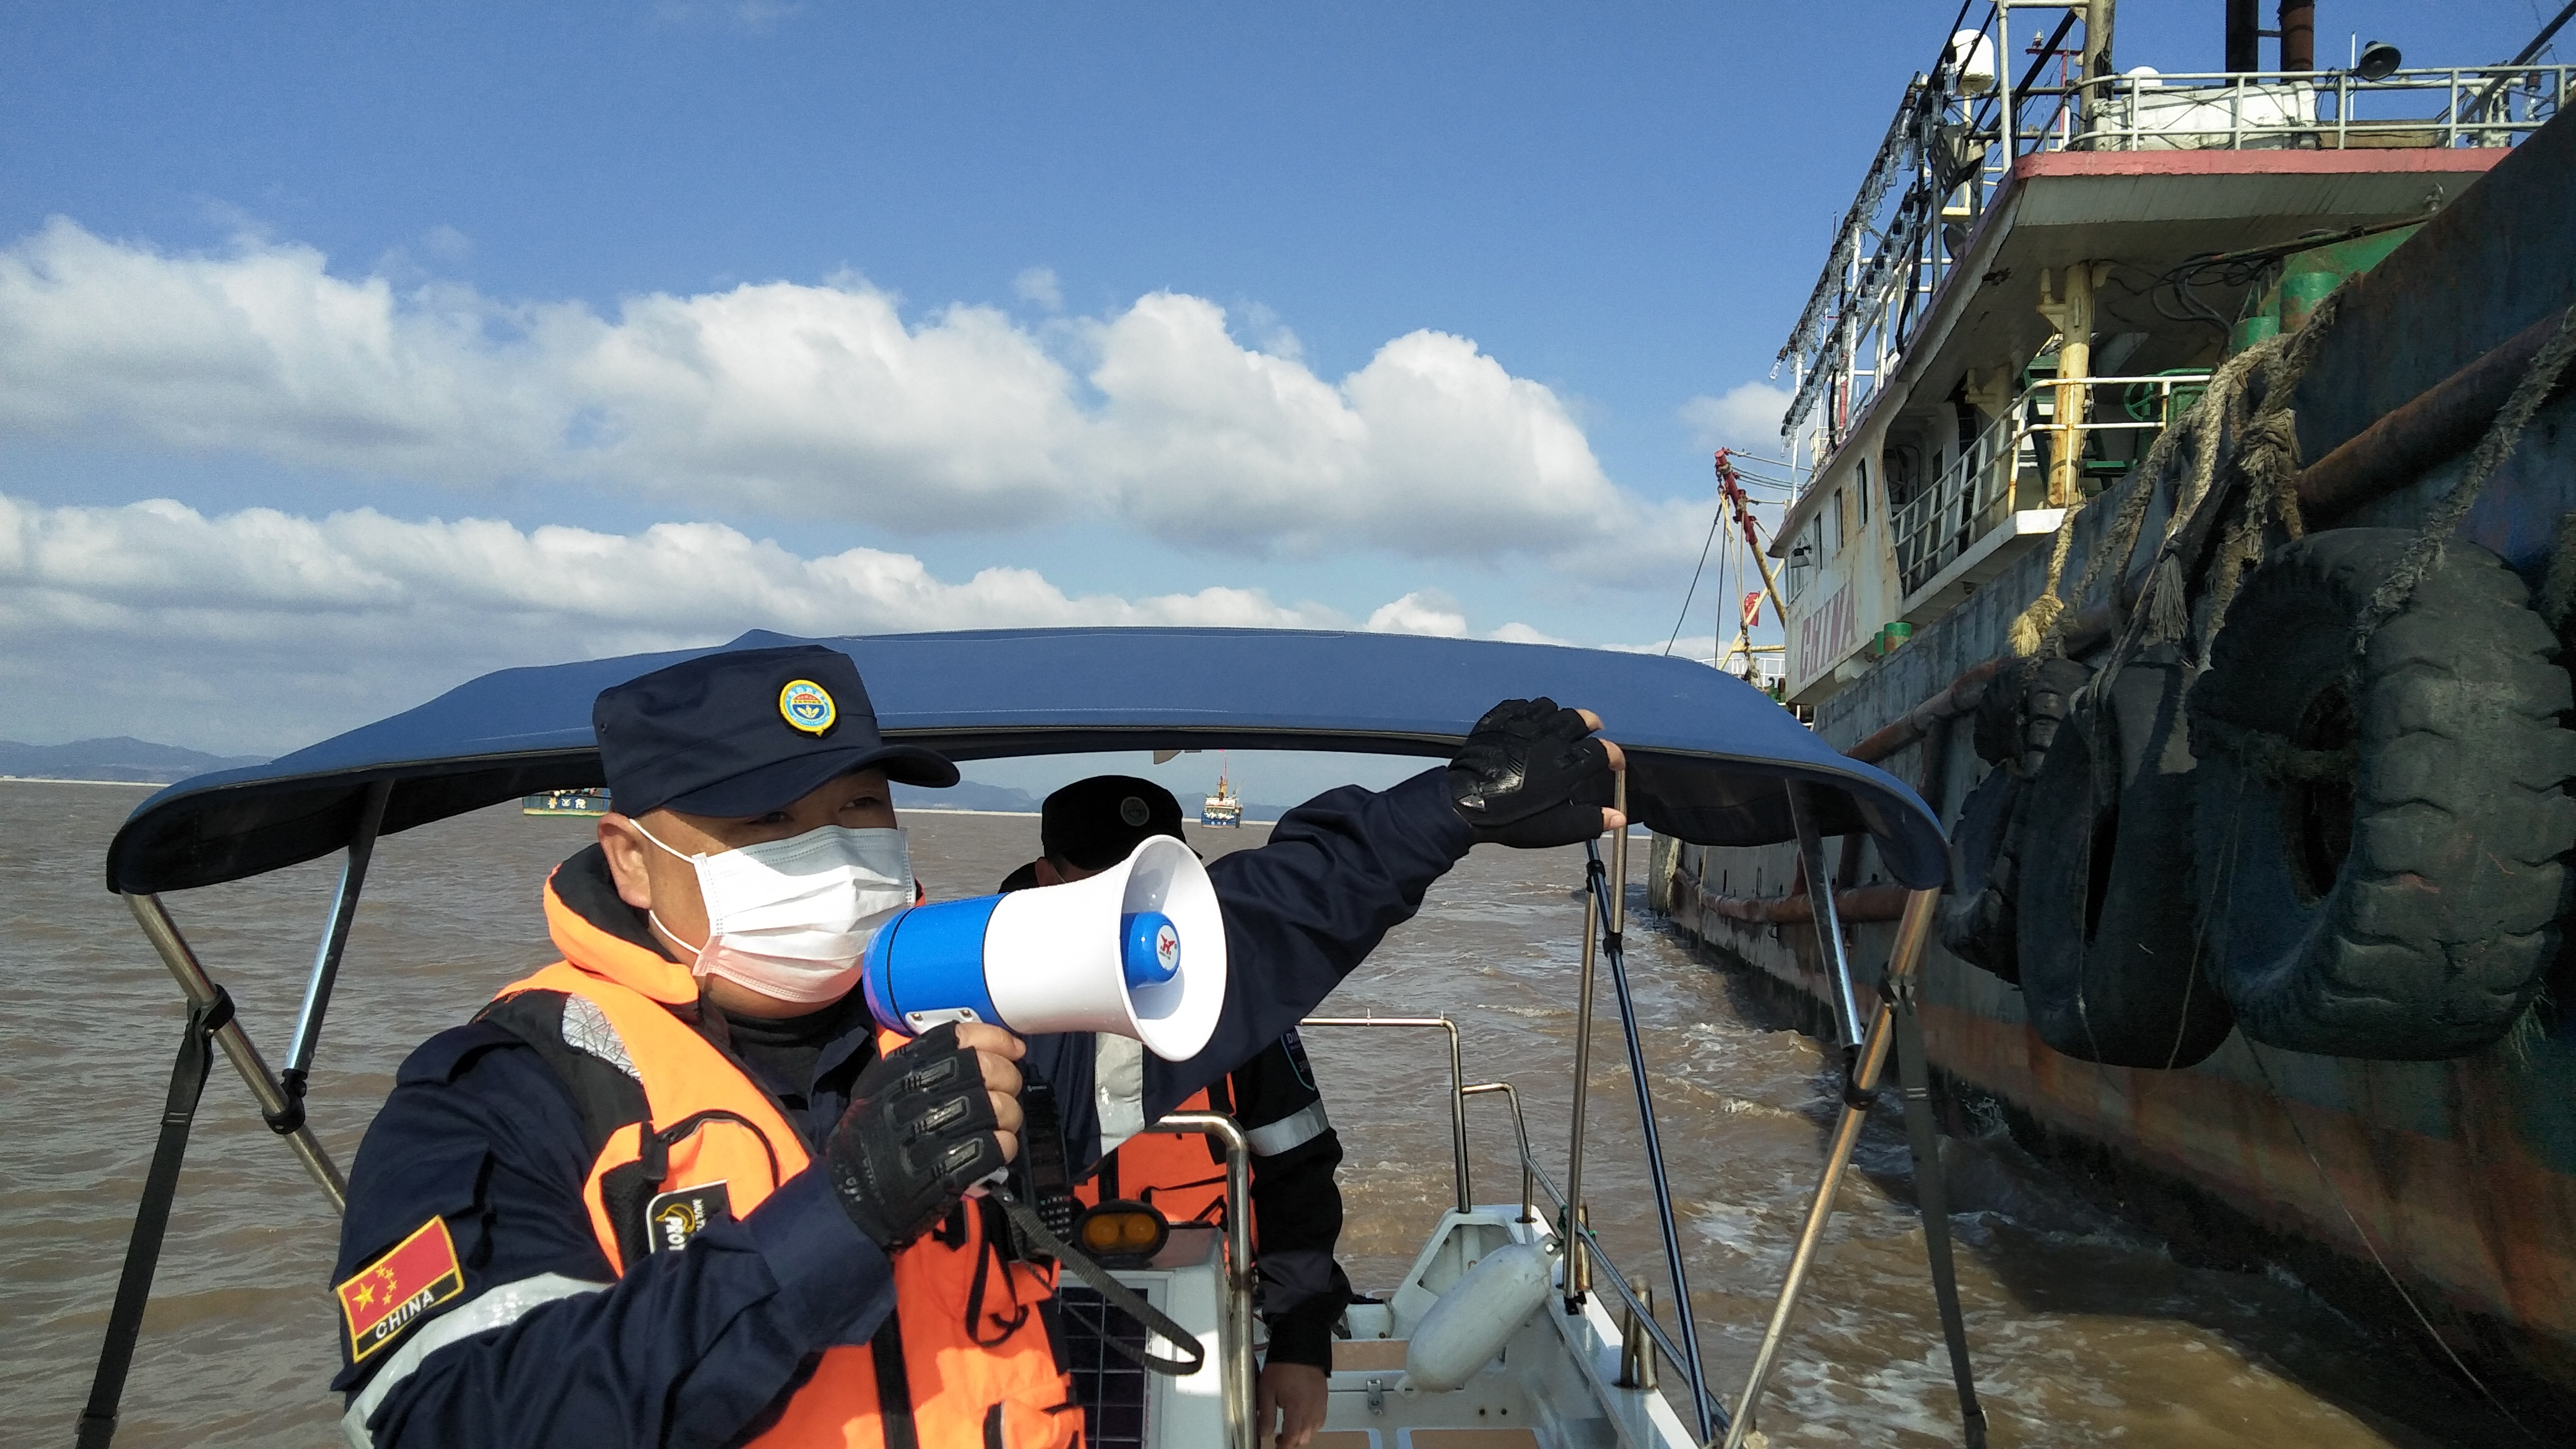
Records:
x=566, y=802
x=1222, y=808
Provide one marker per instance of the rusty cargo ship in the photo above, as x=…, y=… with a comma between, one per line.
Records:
x=2182, y=500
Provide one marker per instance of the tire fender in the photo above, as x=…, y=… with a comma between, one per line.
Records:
x=2109, y=969
x=2379, y=848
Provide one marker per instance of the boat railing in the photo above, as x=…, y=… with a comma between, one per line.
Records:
x=1534, y=1179
x=1234, y=1334
x=1461, y=1172
x=2007, y=466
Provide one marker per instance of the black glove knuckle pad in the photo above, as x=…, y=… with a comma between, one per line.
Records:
x=923, y=1078
x=919, y=1132
x=1531, y=775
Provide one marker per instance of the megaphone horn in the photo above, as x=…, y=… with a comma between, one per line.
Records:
x=1137, y=950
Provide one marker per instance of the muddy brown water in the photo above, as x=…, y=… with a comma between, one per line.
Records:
x=2087, y=1330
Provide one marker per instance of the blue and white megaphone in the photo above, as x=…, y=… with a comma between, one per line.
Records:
x=1137, y=950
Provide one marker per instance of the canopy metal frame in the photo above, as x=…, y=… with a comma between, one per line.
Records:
x=500, y=736
x=280, y=1098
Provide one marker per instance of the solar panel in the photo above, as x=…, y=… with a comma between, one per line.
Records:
x=1110, y=1386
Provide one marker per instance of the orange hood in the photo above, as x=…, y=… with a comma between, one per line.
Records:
x=601, y=951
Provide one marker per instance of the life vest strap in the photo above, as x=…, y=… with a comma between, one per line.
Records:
x=1121, y=1297
x=894, y=1385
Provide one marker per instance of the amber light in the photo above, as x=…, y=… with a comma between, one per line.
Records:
x=1123, y=1229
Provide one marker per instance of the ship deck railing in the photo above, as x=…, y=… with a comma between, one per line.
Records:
x=2006, y=468
x=2461, y=106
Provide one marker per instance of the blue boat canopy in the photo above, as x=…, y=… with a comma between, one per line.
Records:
x=1708, y=754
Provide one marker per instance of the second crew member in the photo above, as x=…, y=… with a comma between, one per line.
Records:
x=1088, y=827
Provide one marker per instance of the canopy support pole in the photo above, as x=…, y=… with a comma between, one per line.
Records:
x=210, y=1019
x=202, y=992
x=1607, y=893
x=1566, y=1227
x=326, y=961
x=1907, y=955
x=1844, y=992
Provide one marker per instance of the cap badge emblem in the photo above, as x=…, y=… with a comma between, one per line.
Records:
x=805, y=706
x=1133, y=811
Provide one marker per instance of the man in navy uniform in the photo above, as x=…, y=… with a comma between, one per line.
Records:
x=1090, y=826
x=676, y=1188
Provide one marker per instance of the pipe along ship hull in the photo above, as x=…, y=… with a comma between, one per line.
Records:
x=2211, y=434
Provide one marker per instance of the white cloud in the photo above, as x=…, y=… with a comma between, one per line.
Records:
x=1429, y=611
x=1424, y=611
x=1746, y=417
x=261, y=630
x=1038, y=284
x=820, y=401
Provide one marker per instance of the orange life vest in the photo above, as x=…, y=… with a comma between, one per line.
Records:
x=986, y=1377
x=1181, y=1173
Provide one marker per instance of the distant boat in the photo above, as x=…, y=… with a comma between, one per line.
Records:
x=1222, y=808
x=566, y=802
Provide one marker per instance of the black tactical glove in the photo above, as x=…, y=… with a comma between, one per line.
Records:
x=919, y=1132
x=1531, y=775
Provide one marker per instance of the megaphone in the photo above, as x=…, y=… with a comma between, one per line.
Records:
x=1137, y=950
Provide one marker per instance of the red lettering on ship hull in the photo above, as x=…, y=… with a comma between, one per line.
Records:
x=1826, y=635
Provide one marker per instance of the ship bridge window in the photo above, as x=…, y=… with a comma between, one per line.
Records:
x=1804, y=556
x=1860, y=492
x=1904, y=468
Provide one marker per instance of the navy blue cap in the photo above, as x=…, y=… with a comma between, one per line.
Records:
x=1099, y=822
x=746, y=732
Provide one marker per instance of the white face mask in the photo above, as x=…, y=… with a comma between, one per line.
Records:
x=790, y=918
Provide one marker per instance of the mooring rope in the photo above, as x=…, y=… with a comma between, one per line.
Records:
x=2501, y=437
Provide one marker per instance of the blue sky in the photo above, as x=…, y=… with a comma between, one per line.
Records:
x=1474, y=264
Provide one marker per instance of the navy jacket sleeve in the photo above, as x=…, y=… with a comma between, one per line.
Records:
x=1305, y=910
x=1301, y=913
x=543, y=1345
x=1296, y=1204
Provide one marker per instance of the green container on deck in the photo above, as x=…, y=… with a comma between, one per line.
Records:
x=1893, y=636
x=2300, y=294
x=2260, y=327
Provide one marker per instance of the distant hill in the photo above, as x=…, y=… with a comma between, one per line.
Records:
x=965, y=795
x=122, y=758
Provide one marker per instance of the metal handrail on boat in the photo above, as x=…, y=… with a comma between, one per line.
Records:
x=1520, y=1128
x=1457, y=1090
x=1534, y=1176
x=1234, y=1339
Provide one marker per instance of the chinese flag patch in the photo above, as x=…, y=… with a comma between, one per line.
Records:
x=397, y=1290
